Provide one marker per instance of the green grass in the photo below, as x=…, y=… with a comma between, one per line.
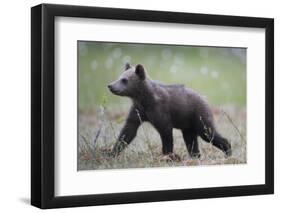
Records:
x=217, y=73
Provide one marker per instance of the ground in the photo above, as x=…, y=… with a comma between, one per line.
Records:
x=99, y=128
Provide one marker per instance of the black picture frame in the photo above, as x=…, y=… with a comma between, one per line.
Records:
x=43, y=105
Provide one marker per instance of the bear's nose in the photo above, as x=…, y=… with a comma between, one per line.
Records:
x=109, y=86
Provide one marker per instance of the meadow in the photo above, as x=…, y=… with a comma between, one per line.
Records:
x=219, y=74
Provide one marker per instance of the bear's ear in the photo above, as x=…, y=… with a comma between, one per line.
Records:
x=127, y=66
x=140, y=71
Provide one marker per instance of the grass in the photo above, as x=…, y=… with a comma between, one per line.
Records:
x=97, y=136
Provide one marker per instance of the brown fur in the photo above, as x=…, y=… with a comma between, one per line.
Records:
x=165, y=107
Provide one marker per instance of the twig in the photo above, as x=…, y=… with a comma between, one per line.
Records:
x=97, y=136
x=208, y=131
x=231, y=121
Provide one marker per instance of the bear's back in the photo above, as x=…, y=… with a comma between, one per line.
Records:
x=185, y=103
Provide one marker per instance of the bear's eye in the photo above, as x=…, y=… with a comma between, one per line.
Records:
x=124, y=80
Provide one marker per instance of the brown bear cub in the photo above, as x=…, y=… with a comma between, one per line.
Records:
x=165, y=107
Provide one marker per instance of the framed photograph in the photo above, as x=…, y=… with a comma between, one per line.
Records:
x=139, y=106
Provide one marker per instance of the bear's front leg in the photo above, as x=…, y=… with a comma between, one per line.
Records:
x=167, y=141
x=166, y=135
x=128, y=132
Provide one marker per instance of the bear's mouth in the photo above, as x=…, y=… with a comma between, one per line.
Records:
x=114, y=91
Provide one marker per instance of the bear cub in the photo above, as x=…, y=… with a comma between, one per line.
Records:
x=165, y=107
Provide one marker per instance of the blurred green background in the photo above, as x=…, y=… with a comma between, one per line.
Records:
x=217, y=73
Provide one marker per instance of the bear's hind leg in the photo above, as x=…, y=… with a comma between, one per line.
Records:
x=222, y=144
x=190, y=139
x=218, y=141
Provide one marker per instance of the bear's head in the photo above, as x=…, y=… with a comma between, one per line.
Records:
x=130, y=81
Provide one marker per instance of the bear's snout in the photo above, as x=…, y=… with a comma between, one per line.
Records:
x=113, y=89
